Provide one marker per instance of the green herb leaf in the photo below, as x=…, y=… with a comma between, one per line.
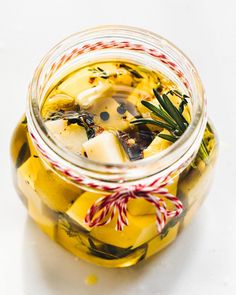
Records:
x=172, y=118
x=24, y=120
x=174, y=113
x=82, y=118
x=108, y=251
x=152, y=122
x=203, y=151
x=171, y=110
x=167, y=137
x=101, y=70
x=159, y=112
x=23, y=155
x=183, y=103
x=135, y=73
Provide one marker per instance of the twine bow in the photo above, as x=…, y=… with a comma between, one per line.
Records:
x=107, y=206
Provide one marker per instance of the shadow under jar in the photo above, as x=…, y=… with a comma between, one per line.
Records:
x=113, y=215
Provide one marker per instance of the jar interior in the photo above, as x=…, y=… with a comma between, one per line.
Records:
x=106, y=111
x=131, y=45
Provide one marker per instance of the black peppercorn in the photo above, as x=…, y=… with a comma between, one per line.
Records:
x=104, y=116
x=121, y=109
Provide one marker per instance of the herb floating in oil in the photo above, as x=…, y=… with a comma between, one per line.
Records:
x=82, y=118
x=110, y=252
x=127, y=84
x=95, y=247
x=172, y=118
x=100, y=72
x=24, y=154
x=24, y=121
x=133, y=72
x=107, y=251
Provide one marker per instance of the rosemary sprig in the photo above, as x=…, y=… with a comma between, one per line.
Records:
x=153, y=122
x=172, y=118
x=174, y=113
x=167, y=137
x=182, y=96
x=158, y=111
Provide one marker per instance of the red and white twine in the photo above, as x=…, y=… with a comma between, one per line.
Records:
x=113, y=44
x=116, y=203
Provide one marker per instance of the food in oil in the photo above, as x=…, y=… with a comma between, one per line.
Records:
x=109, y=112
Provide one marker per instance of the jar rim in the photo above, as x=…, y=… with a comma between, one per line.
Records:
x=173, y=156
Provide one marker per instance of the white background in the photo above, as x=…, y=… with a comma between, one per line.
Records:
x=202, y=260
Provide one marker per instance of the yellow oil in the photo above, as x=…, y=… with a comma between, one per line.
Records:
x=91, y=280
x=58, y=206
x=107, y=96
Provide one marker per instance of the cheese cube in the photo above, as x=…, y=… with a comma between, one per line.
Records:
x=142, y=207
x=56, y=103
x=69, y=136
x=45, y=218
x=105, y=148
x=57, y=193
x=79, y=209
x=140, y=228
x=159, y=242
x=157, y=145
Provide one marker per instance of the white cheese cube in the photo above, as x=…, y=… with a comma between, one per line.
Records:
x=105, y=148
x=70, y=136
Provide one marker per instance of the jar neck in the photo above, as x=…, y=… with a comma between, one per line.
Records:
x=138, y=46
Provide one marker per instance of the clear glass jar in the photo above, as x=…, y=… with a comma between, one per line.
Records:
x=59, y=188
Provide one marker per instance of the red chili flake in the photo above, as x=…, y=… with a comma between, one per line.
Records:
x=91, y=80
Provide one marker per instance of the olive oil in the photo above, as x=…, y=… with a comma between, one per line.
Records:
x=90, y=113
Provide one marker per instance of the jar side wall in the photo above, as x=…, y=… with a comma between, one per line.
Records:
x=195, y=181
x=56, y=204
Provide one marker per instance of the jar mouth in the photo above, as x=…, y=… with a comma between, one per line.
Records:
x=152, y=45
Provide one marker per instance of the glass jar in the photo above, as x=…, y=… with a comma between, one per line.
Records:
x=113, y=215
